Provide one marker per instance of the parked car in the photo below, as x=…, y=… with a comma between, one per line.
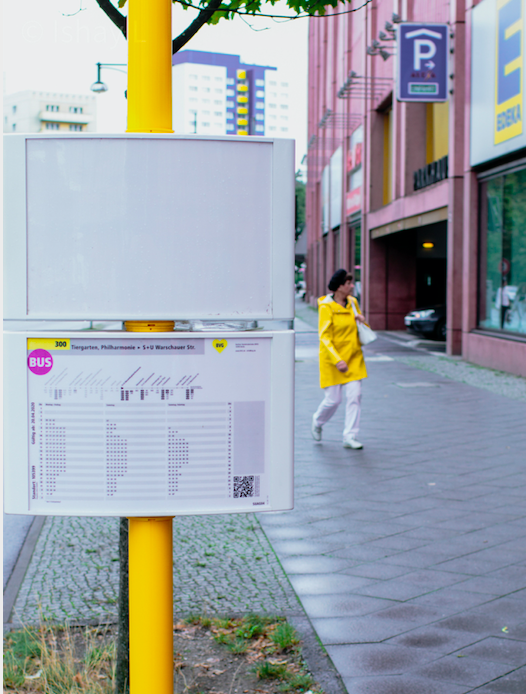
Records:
x=429, y=322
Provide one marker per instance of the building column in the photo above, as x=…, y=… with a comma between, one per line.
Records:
x=456, y=182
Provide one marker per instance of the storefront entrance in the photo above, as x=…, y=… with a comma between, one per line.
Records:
x=408, y=271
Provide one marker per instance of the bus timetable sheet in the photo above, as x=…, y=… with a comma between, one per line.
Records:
x=121, y=425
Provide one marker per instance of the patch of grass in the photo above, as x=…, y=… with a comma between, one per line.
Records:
x=14, y=671
x=270, y=671
x=298, y=682
x=55, y=660
x=237, y=646
x=284, y=636
x=24, y=643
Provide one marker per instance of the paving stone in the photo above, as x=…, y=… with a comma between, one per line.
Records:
x=377, y=659
x=511, y=683
x=341, y=605
x=401, y=684
x=498, y=650
x=467, y=671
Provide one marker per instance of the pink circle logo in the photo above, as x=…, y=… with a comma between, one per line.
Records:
x=40, y=362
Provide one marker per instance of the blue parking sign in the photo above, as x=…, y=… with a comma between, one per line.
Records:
x=423, y=51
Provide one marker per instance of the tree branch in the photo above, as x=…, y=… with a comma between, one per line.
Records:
x=193, y=28
x=113, y=13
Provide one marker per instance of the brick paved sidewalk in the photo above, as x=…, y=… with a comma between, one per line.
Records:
x=222, y=564
x=409, y=556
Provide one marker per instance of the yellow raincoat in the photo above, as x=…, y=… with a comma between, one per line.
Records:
x=339, y=342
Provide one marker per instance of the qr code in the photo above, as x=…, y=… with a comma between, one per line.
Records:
x=244, y=486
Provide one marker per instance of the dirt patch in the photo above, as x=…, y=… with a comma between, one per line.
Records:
x=249, y=655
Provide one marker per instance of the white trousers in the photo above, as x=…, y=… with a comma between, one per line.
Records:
x=353, y=405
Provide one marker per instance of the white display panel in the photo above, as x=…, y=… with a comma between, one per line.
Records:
x=128, y=424
x=148, y=226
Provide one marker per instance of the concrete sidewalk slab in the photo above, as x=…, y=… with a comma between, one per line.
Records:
x=409, y=556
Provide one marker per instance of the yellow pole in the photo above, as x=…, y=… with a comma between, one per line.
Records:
x=149, y=66
x=150, y=539
x=151, y=605
x=150, y=576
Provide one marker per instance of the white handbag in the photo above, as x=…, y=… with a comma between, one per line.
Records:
x=365, y=333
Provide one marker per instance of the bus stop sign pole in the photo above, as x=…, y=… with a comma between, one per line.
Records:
x=150, y=539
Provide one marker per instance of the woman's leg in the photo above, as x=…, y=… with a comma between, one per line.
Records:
x=329, y=405
x=353, y=406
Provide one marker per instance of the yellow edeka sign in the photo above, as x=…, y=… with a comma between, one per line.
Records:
x=508, y=73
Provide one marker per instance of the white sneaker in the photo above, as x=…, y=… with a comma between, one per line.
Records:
x=352, y=443
x=315, y=430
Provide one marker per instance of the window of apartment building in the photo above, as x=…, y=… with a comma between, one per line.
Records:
x=260, y=129
x=76, y=127
x=218, y=91
x=206, y=78
x=218, y=113
x=52, y=107
x=218, y=79
x=230, y=80
x=192, y=89
x=437, y=131
x=260, y=105
x=273, y=84
x=284, y=84
x=13, y=109
x=13, y=127
x=260, y=94
x=260, y=83
x=192, y=76
x=260, y=116
x=502, y=265
x=284, y=106
x=230, y=104
x=52, y=126
x=75, y=109
x=206, y=89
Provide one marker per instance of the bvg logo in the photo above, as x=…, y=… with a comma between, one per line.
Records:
x=509, y=66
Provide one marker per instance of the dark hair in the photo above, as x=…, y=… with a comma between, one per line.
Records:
x=340, y=277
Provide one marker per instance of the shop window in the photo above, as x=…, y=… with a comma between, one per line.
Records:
x=502, y=286
x=437, y=131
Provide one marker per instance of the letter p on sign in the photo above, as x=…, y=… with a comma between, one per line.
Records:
x=420, y=54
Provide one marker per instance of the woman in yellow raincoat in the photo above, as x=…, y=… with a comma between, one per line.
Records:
x=342, y=366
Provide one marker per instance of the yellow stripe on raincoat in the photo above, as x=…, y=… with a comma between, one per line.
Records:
x=339, y=342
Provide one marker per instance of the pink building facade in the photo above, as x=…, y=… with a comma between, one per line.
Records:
x=422, y=202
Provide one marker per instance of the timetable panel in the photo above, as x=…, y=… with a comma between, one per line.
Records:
x=120, y=421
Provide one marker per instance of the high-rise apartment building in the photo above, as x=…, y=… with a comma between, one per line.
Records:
x=34, y=112
x=217, y=94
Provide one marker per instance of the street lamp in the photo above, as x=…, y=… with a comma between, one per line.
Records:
x=99, y=87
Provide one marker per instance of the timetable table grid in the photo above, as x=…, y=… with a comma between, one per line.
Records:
x=126, y=428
